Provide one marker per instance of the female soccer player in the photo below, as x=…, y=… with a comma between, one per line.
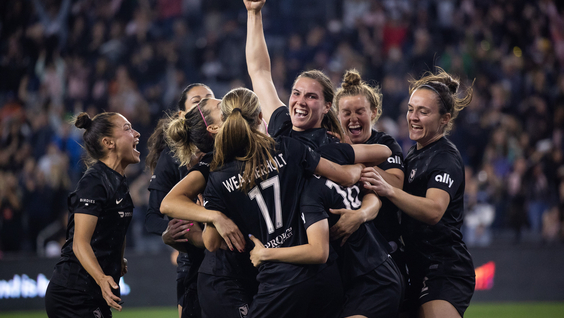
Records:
x=372, y=282
x=440, y=266
x=358, y=107
x=256, y=181
x=224, y=275
x=84, y=282
x=167, y=172
x=309, y=115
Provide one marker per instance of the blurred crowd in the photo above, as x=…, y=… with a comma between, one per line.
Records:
x=62, y=57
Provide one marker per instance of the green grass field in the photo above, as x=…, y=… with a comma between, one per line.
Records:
x=478, y=310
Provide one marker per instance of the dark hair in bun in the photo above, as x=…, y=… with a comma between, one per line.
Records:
x=95, y=129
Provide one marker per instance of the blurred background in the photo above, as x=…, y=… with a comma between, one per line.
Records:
x=62, y=57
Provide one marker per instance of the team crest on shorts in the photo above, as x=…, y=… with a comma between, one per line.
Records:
x=244, y=310
x=412, y=174
x=98, y=313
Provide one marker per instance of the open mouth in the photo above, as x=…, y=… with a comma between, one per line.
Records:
x=135, y=146
x=355, y=130
x=300, y=113
x=416, y=127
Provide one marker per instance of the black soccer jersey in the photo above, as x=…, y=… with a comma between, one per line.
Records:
x=104, y=193
x=387, y=221
x=269, y=210
x=167, y=174
x=436, y=247
x=366, y=248
x=315, y=138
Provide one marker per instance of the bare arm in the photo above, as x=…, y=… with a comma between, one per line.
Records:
x=316, y=251
x=212, y=239
x=429, y=209
x=84, y=228
x=258, y=60
x=351, y=220
x=373, y=154
x=179, y=204
x=344, y=175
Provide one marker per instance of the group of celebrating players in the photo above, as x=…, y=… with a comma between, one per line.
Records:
x=280, y=211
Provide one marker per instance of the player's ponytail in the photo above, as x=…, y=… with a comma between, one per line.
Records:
x=239, y=139
x=446, y=88
x=186, y=135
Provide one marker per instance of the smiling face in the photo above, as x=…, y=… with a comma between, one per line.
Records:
x=307, y=104
x=126, y=139
x=424, y=121
x=196, y=94
x=356, y=117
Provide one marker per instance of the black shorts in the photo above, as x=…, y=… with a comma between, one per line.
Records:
x=190, y=303
x=376, y=294
x=224, y=296
x=320, y=296
x=62, y=302
x=457, y=290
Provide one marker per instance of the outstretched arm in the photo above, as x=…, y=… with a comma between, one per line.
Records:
x=258, y=60
x=429, y=209
x=344, y=175
x=371, y=155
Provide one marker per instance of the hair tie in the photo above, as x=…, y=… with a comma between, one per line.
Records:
x=202, y=115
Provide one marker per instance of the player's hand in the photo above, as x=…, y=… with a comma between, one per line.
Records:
x=230, y=233
x=373, y=181
x=106, y=284
x=254, y=5
x=348, y=223
x=123, y=266
x=257, y=251
x=345, y=139
x=175, y=231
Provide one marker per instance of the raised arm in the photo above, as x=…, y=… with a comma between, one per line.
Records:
x=179, y=204
x=258, y=60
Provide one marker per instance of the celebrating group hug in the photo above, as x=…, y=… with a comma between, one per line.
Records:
x=297, y=210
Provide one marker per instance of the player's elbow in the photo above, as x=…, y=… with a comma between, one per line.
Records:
x=433, y=218
x=165, y=207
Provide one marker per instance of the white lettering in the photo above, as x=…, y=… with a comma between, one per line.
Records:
x=394, y=159
x=228, y=185
x=445, y=178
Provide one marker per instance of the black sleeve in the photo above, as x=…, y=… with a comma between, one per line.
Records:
x=155, y=221
x=340, y=153
x=280, y=122
x=446, y=173
x=308, y=158
x=312, y=202
x=396, y=159
x=213, y=199
x=204, y=166
x=167, y=173
x=90, y=195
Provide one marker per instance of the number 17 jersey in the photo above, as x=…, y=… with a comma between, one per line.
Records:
x=270, y=210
